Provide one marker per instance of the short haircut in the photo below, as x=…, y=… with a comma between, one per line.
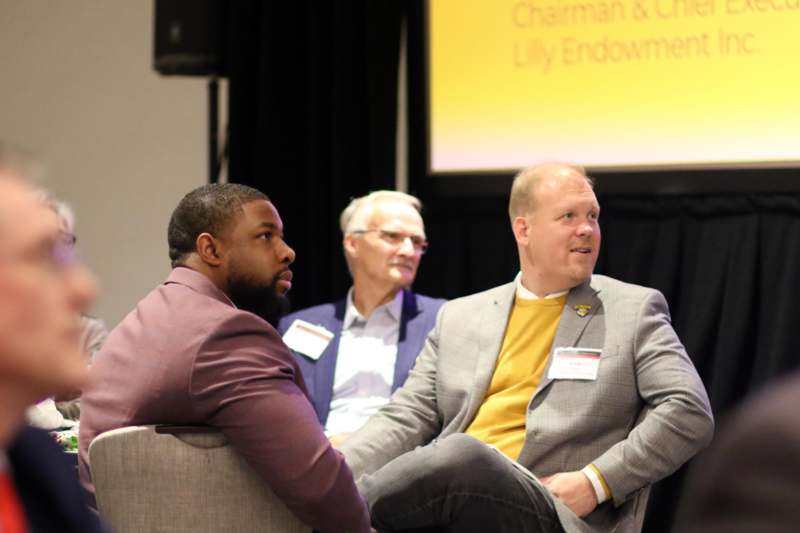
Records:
x=527, y=180
x=359, y=211
x=60, y=208
x=65, y=213
x=207, y=209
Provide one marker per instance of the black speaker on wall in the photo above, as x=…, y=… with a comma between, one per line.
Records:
x=190, y=37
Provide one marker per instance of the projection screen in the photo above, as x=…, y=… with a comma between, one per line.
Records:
x=613, y=84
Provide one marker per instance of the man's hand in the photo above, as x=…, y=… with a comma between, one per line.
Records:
x=574, y=489
x=338, y=438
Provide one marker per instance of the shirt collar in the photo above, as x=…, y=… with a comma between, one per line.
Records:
x=393, y=308
x=184, y=275
x=525, y=294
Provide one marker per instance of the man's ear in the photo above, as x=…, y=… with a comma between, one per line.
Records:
x=349, y=245
x=521, y=229
x=209, y=249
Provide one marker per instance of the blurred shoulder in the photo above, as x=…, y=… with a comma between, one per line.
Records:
x=428, y=303
x=471, y=301
x=314, y=314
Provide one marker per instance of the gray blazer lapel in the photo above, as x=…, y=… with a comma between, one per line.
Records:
x=582, y=300
x=493, y=322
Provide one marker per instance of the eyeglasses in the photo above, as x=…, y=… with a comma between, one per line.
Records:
x=397, y=238
x=53, y=255
x=64, y=249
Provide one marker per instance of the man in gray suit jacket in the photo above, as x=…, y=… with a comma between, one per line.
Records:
x=551, y=403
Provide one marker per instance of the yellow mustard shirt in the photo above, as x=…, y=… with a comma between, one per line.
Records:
x=500, y=420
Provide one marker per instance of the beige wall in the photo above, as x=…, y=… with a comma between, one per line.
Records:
x=122, y=144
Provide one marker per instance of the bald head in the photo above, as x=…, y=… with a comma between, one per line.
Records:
x=527, y=182
x=554, y=216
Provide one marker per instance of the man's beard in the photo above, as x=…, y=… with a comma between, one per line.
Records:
x=262, y=300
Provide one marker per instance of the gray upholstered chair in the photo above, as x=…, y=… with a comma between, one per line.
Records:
x=154, y=479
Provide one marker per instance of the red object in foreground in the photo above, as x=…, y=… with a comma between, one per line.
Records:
x=12, y=518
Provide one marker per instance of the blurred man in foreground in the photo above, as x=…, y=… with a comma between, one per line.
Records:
x=42, y=294
x=749, y=479
x=62, y=413
x=200, y=350
x=357, y=351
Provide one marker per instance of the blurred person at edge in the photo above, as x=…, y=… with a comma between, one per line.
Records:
x=377, y=330
x=43, y=292
x=748, y=480
x=64, y=411
x=93, y=329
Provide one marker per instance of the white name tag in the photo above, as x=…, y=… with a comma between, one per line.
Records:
x=307, y=339
x=575, y=363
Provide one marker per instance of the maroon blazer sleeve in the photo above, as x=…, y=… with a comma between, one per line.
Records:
x=246, y=383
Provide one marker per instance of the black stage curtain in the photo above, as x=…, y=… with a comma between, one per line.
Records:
x=728, y=265
x=312, y=107
x=312, y=123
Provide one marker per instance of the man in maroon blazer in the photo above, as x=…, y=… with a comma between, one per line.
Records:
x=200, y=349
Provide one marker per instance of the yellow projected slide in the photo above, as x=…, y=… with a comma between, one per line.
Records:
x=613, y=83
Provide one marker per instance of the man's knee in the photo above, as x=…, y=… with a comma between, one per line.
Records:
x=462, y=456
x=455, y=463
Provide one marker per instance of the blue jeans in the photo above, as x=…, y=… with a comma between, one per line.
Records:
x=457, y=484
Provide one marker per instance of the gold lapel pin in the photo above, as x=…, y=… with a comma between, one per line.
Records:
x=582, y=309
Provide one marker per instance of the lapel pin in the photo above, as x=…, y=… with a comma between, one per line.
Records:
x=582, y=309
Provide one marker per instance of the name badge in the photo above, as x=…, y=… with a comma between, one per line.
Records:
x=575, y=363
x=307, y=338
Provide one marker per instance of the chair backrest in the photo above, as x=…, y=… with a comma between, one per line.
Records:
x=147, y=481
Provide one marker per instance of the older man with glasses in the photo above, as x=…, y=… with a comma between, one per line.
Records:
x=356, y=351
x=63, y=411
x=43, y=291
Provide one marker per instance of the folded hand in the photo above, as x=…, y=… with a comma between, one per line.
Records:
x=574, y=489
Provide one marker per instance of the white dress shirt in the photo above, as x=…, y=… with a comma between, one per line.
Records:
x=364, y=365
x=525, y=294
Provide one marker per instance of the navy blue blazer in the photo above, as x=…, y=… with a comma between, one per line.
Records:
x=417, y=318
x=47, y=484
